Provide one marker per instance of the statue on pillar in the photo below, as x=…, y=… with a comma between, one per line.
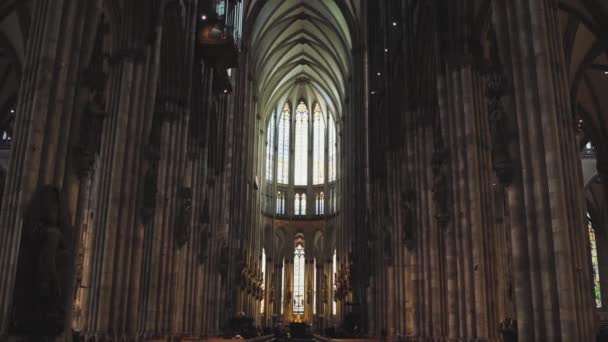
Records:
x=408, y=218
x=46, y=266
x=182, y=227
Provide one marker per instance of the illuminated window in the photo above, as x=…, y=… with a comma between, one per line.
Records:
x=283, y=146
x=280, y=203
x=318, y=158
x=333, y=282
x=299, y=204
x=594, y=262
x=263, y=278
x=298, y=280
x=320, y=204
x=301, y=145
x=270, y=148
x=332, y=151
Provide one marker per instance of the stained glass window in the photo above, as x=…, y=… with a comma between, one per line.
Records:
x=332, y=151
x=320, y=204
x=301, y=145
x=296, y=205
x=594, y=262
x=270, y=148
x=299, y=204
x=263, y=278
x=298, y=280
x=333, y=281
x=318, y=158
x=280, y=203
x=283, y=146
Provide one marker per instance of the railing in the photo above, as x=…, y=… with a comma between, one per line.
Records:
x=255, y=339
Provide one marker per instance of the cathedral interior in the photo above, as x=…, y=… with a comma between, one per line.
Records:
x=306, y=170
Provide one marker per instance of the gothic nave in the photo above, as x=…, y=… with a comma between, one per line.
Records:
x=319, y=170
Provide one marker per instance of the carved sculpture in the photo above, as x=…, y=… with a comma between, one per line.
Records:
x=496, y=85
x=182, y=227
x=91, y=129
x=440, y=181
x=152, y=154
x=46, y=266
x=508, y=329
x=407, y=210
x=205, y=237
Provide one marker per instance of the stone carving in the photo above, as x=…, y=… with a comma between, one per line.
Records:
x=408, y=218
x=205, y=238
x=440, y=182
x=387, y=245
x=182, y=226
x=152, y=154
x=508, y=329
x=46, y=266
x=496, y=86
x=224, y=258
x=91, y=129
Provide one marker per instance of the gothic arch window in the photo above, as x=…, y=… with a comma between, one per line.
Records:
x=331, y=164
x=280, y=203
x=270, y=148
x=333, y=282
x=595, y=264
x=300, y=159
x=301, y=145
x=282, y=285
x=299, y=204
x=263, y=262
x=299, y=264
x=283, y=146
x=320, y=203
x=318, y=158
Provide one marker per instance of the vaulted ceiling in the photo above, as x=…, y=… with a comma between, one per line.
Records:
x=584, y=25
x=301, y=48
x=14, y=24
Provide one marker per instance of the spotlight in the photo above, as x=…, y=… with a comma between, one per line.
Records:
x=12, y=111
x=204, y=17
x=373, y=92
x=379, y=74
x=385, y=50
x=394, y=23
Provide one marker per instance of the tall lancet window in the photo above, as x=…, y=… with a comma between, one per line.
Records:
x=283, y=146
x=318, y=152
x=301, y=145
x=298, y=280
x=320, y=204
x=280, y=203
x=263, y=278
x=331, y=167
x=333, y=282
x=299, y=204
x=594, y=263
x=270, y=148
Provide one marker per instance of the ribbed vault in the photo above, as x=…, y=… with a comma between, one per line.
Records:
x=301, y=48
